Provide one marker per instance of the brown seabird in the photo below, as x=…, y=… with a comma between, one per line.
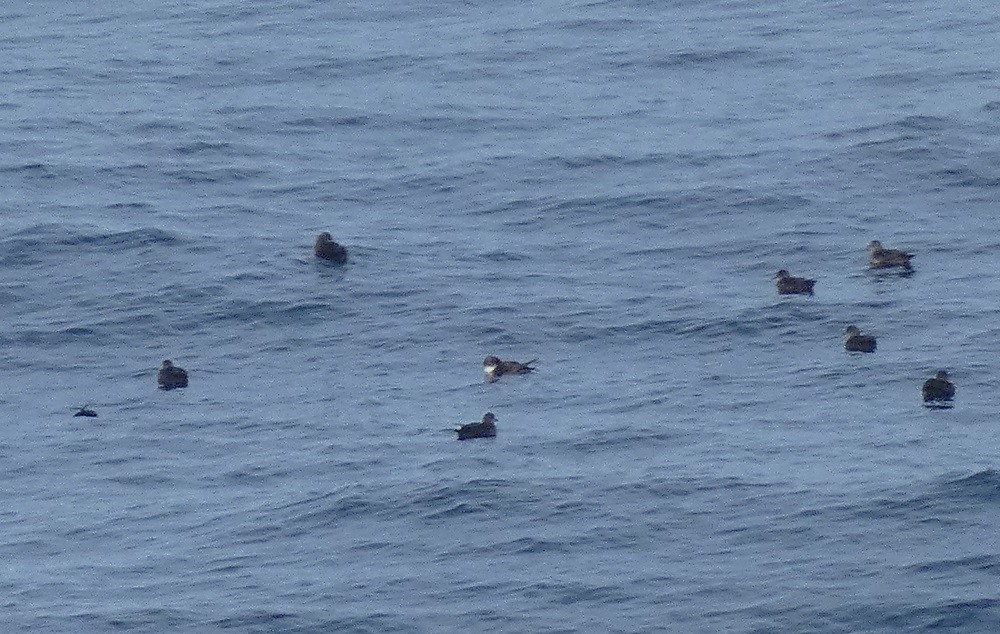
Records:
x=327, y=249
x=881, y=258
x=854, y=341
x=170, y=376
x=485, y=429
x=938, y=388
x=788, y=285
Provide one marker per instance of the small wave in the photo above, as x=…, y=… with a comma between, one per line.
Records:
x=942, y=501
x=193, y=176
x=596, y=24
x=127, y=239
x=130, y=206
x=979, y=563
x=570, y=593
x=361, y=66
x=693, y=59
x=273, y=312
x=33, y=169
x=773, y=202
x=335, y=508
x=455, y=510
x=256, y=619
x=606, y=160
x=965, y=176
x=898, y=129
x=896, y=80
x=783, y=318
x=324, y=123
x=435, y=502
x=502, y=256
x=982, y=486
x=55, y=338
x=201, y=147
x=924, y=123
x=143, y=480
x=666, y=487
x=530, y=546
x=157, y=127
x=43, y=237
x=974, y=615
x=129, y=620
x=623, y=437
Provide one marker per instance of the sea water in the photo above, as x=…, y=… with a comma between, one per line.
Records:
x=608, y=187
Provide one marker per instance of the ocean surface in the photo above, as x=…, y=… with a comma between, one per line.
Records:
x=608, y=186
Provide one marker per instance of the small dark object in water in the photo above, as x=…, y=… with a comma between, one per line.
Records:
x=854, y=341
x=170, y=376
x=938, y=388
x=86, y=411
x=327, y=249
x=494, y=368
x=881, y=258
x=788, y=285
x=485, y=429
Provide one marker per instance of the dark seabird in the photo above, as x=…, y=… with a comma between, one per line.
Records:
x=854, y=341
x=881, y=258
x=938, y=388
x=170, y=376
x=788, y=285
x=485, y=429
x=327, y=249
x=494, y=368
x=86, y=411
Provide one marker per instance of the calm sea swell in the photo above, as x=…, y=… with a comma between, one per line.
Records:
x=607, y=187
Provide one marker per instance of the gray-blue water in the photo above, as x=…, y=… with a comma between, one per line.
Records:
x=607, y=186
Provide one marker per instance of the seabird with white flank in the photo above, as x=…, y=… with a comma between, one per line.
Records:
x=494, y=367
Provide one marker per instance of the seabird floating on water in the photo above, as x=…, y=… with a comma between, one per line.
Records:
x=170, y=376
x=938, y=388
x=327, y=249
x=494, y=367
x=854, y=341
x=788, y=285
x=485, y=429
x=881, y=258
